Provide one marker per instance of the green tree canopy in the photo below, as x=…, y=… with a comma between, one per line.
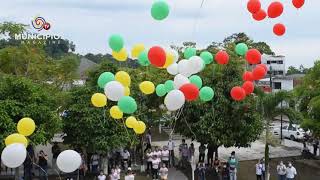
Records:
x=20, y=97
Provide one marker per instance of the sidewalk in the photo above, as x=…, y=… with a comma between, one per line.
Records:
x=176, y=175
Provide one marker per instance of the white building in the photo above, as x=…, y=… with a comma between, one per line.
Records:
x=276, y=62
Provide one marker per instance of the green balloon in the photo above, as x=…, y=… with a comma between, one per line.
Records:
x=206, y=93
x=127, y=105
x=160, y=10
x=241, y=49
x=116, y=42
x=104, y=78
x=143, y=59
x=169, y=85
x=196, y=80
x=161, y=90
x=189, y=52
x=206, y=57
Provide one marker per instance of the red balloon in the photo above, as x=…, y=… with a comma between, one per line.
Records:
x=238, y=93
x=259, y=73
x=157, y=56
x=264, y=66
x=190, y=91
x=275, y=9
x=279, y=29
x=248, y=87
x=253, y=6
x=260, y=15
x=253, y=56
x=222, y=57
x=298, y=3
x=248, y=76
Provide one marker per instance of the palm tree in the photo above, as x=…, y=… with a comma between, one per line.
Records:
x=269, y=109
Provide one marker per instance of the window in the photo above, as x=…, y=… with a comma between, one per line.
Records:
x=273, y=62
x=268, y=62
x=281, y=72
x=284, y=127
x=277, y=85
x=280, y=62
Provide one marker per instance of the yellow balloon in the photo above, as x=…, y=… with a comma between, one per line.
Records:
x=147, y=87
x=123, y=77
x=131, y=122
x=99, y=100
x=115, y=112
x=126, y=91
x=169, y=59
x=136, y=50
x=140, y=127
x=122, y=55
x=26, y=126
x=16, y=138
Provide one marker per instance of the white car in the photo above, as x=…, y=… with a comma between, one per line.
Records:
x=293, y=132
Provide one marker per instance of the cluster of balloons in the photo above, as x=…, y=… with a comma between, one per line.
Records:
x=116, y=43
x=117, y=88
x=160, y=10
x=15, y=152
x=253, y=57
x=275, y=9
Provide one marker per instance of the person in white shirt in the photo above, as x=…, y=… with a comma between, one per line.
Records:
x=149, y=161
x=259, y=170
x=165, y=156
x=155, y=166
x=118, y=170
x=281, y=170
x=125, y=159
x=102, y=176
x=158, y=152
x=94, y=161
x=130, y=175
x=171, y=147
x=164, y=172
x=114, y=174
x=291, y=172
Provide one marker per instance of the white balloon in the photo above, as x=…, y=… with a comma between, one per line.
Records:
x=174, y=52
x=197, y=64
x=68, y=161
x=174, y=100
x=14, y=155
x=185, y=68
x=173, y=69
x=114, y=90
x=180, y=80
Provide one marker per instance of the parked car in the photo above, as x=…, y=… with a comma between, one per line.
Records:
x=293, y=132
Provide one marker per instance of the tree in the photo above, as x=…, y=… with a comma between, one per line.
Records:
x=102, y=133
x=308, y=95
x=269, y=109
x=293, y=70
x=20, y=97
x=60, y=49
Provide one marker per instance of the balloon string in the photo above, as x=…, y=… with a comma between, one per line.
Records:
x=124, y=125
x=196, y=18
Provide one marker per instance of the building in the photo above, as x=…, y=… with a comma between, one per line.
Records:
x=276, y=62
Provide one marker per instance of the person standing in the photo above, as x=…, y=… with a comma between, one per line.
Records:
x=171, y=147
x=165, y=156
x=55, y=152
x=125, y=155
x=130, y=175
x=225, y=171
x=102, y=176
x=83, y=167
x=216, y=165
x=158, y=152
x=233, y=164
x=155, y=167
x=114, y=174
x=43, y=164
x=210, y=154
x=148, y=141
x=291, y=172
x=94, y=161
x=191, y=152
x=184, y=153
x=149, y=161
x=28, y=163
x=259, y=170
x=202, y=152
x=202, y=171
x=262, y=162
x=315, y=144
x=164, y=172
x=281, y=170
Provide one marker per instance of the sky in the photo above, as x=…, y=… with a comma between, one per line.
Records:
x=89, y=23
